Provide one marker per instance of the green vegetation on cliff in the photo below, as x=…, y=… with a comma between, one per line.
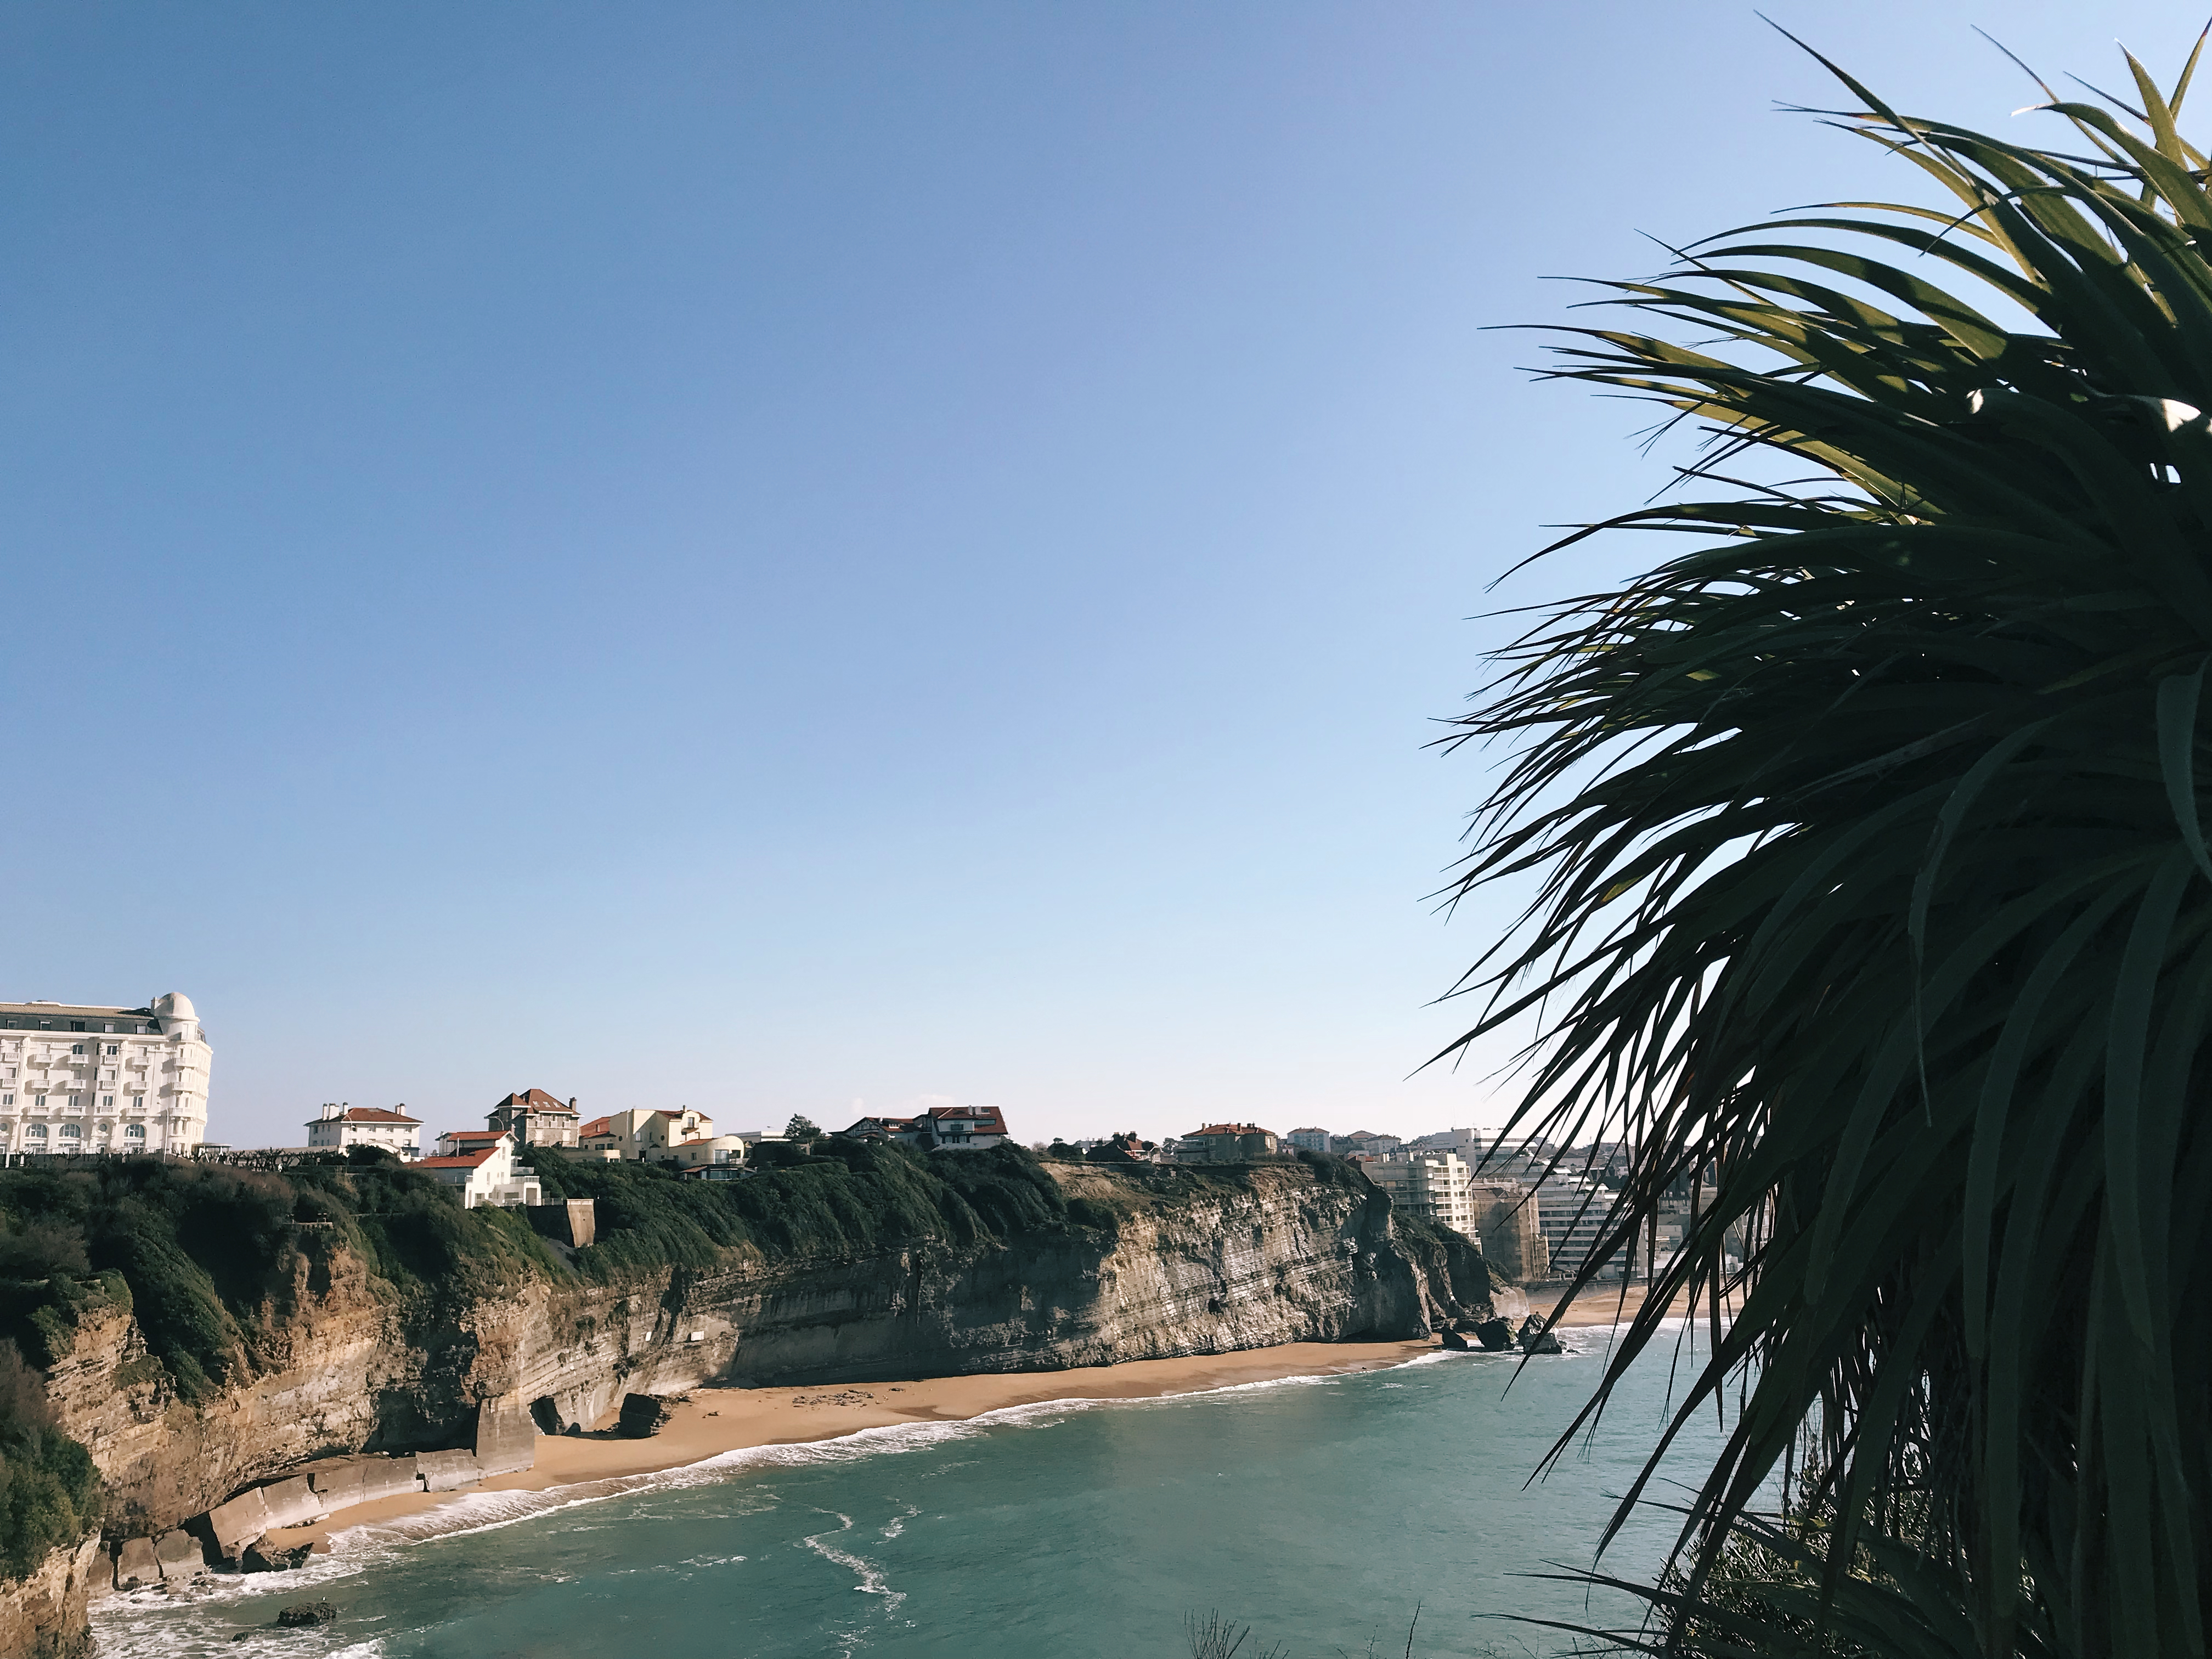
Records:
x=49, y=1489
x=214, y=1261
x=205, y=1253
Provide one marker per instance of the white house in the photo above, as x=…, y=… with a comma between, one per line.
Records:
x=488, y=1177
x=341, y=1126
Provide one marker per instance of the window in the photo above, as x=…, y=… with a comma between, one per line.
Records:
x=72, y=1131
x=7, y=1100
x=76, y=1102
x=76, y=1025
x=42, y=1102
x=35, y=1132
x=107, y=1102
x=114, y=1048
x=137, y=1102
x=78, y=1048
x=134, y=1132
x=109, y=1026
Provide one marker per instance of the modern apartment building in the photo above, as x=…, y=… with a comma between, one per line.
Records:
x=1571, y=1210
x=89, y=1077
x=1432, y=1184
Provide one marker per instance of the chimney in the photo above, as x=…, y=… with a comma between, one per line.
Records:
x=330, y=1110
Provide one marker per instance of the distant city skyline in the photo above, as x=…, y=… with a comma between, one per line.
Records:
x=786, y=560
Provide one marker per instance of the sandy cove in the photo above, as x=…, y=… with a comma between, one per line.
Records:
x=715, y=1420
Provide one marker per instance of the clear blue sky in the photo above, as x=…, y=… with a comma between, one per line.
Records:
x=764, y=557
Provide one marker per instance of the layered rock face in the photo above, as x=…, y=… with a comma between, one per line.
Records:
x=43, y=1617
x=344, y=1363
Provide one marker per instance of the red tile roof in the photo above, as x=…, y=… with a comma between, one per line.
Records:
x=1230, y=1129
x=535, y=1100
x=598, y=1126
x=459, y=1135
x=369, y=1115
x=468, y=1161
x=986, y=1119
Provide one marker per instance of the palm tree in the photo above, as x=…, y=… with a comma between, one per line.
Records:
x=1873, y=896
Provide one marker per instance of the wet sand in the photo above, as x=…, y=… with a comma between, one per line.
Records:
x=714, y=1420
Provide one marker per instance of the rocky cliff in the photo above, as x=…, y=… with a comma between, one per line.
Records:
x=342, y=1363
x=338, y=1352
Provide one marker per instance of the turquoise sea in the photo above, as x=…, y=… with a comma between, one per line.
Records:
x=1320, y=1511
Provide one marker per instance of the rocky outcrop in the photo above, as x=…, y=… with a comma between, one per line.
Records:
x=355, y=1389
x=641, y=1416
x=43, y=1616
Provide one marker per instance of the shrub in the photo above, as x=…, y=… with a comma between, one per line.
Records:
x=49, y=1489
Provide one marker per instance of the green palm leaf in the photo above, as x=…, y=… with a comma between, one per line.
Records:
x=1872, y=890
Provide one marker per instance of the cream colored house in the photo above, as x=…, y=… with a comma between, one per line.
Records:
x=644, y=1132
x=90, y=1077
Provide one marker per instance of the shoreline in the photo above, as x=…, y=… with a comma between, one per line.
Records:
x=713, y=1420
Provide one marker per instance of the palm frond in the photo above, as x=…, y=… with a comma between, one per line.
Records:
x=1872, y=890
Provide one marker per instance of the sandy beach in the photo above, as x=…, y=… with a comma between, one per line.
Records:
x=714, y=1420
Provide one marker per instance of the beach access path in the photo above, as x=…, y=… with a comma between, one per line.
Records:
x=715, y=1420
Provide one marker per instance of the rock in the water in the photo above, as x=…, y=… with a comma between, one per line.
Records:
x=180, y=1554
x=1454, y=1340
x=300, y=1614
x=1495, y=1334
x=136, y=1566
x=642, y=1416
x=262, y=1556
x=1536, y=1338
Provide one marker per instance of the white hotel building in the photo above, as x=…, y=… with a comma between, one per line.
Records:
x=80, y=1078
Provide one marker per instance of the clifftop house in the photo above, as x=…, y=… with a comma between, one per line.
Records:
x=685, y=1138
x=341, y=1126
x=485, y=1174
x=1226, y=1143
x=535, y=1118
x=941, y=1128
x=459, y=1143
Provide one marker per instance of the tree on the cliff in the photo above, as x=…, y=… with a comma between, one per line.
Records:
x=1874, y=896
x=801, y=1128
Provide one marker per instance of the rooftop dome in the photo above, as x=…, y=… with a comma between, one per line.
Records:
x=175, y=1006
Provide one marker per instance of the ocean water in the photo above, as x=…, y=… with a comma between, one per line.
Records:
x=1319, y=1511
